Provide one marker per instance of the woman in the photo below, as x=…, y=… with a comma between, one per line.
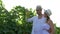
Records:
x=47, y=13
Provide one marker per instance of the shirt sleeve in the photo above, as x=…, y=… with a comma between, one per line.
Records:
x=30, y=19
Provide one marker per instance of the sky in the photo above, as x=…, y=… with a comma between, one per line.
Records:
x=53, y=5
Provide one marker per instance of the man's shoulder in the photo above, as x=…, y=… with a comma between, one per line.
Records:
x=34, y=17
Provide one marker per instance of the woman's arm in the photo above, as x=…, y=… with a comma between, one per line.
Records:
x=51, y=27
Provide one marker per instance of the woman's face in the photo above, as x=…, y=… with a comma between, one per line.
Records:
x=45, y=14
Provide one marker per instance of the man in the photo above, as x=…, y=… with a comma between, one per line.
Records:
x=37, y=21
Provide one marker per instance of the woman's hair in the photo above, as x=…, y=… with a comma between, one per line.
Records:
x=48, y=18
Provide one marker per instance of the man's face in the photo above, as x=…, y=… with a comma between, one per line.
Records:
x=39, y=12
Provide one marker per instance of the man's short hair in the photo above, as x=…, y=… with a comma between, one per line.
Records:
x=38, y=7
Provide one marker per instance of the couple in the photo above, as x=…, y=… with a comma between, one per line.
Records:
x=42, y=23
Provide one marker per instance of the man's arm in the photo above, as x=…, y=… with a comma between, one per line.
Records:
x=29, y=19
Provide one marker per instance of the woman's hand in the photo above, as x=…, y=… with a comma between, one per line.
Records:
x=49, y=30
